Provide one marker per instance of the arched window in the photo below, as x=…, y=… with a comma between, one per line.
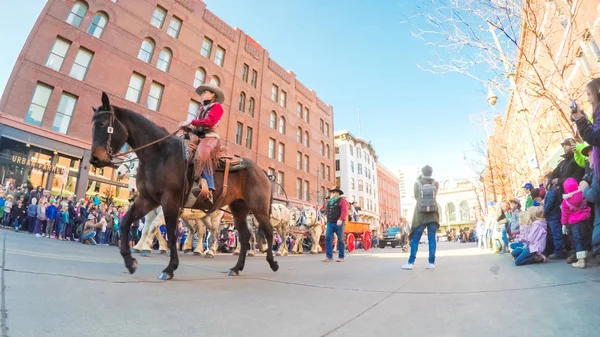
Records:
x=322, y=149
x=97, y=25
x=242, y=106
x=215, y=80
x=77, y=13
x=199, y=77
x=306, y=143
x=451, y=212
x=465, y=212
x=299, y=135
x=164, y=60
x=273, y=120
x=251, y=107
x=146, y=50
x=327, y=153
x=282, y=124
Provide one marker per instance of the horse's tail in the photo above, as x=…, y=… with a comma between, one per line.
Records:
x=273, y=182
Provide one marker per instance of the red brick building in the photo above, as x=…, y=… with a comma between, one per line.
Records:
x=389, y=197
x=149, y=56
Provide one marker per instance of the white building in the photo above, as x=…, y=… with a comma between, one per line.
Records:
x=461, y=201
x=408, y=177
x=356, y=174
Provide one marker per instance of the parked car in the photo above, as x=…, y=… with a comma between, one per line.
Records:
x=391, y=237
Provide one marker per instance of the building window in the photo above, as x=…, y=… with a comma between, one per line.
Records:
x=359, y=168
x=164, y=60
x=299, y=160
x=306, y=191
x=360, y=185
x=146, y=50
x=327, y=151
x=306, y=115
x=158, y=18
x=280, y=181
x=327, y=129
x=271, y=148
x=58, y=53
x=215, y=80
x=322, y=125
x=193, y=110
x=97, y=25
x=81, y=64
x=199, y=77
x=77, y=13
x=274, y=92
x=337, y=182
x=300, y=109
x=254, y=78
x=322, y=170
x=242, y=105
x=281, y=153
x=271, y=172
x=299, y=188
x=245, y=70
x=220, y=56
x=337, y=164
x=299, y=135
x=249, y=137
x=206, y=47
x=155, y=96
x=282, y=125
x=351, y=166
x=273, y=120
x=352, y=182
x=251, y=107
x=306, y=142
x=40, y=99
x=306, y=164
x=351, y=150
x=283, y=99
x=322, y=149
x=136, y=83
x=239, y=130
x=62, y=119
x=328, y=172
x=174, y=27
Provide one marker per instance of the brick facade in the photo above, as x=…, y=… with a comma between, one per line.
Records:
x=388, y=186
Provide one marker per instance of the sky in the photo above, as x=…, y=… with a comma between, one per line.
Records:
x=357, y=56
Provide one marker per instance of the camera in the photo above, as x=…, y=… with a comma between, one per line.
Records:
x=573, y=106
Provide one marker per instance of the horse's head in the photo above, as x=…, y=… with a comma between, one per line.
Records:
x=310, y=214
x=108, y=133
x=128, y=168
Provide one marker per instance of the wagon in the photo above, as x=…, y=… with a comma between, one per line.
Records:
x=355, y=233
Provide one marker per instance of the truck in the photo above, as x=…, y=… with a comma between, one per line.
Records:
x=391, y=237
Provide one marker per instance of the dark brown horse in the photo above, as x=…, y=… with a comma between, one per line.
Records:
x=163, y=179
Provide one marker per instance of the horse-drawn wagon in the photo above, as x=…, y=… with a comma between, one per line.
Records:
x=355, y=234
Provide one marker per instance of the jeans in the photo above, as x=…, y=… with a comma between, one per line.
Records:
x=516, y=248
x=102, y=238
x=557, y=237
x=526, y=257
x=481, y=242
x=61, y=228
x=50, y=227
x=17, y=223
x=31, y=220
x=505, y=237
x=38, y=226
x=332, y=228
x=577, y=236
x=88, y=236
x=431, y=238
x=6, y=219
x=210, y=179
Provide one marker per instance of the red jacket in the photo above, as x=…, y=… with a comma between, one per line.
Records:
x=214, y=116
x=344, y=206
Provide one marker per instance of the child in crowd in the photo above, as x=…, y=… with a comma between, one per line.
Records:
x=515, y=206
x=63, y=221
x=19, y=215
x=517, y=245
x=527, y=188
x=8, y=204
x=2, y=203
x=532, y=244
x=31, y=215
x=575, y=211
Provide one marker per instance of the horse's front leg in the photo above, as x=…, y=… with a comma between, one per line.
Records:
x=188, y=245
x=138, y=209
x=201, y=229
x=171, y=213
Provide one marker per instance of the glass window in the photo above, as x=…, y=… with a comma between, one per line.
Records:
x=306, y=164
x=306, y=115
x=58, y=53
x=327, y=129
x=242, y=105
x=97, y=25
x=251, y=107
x=327, y=152
x=280, y=181
x=164, y=60
x=220, y=56
x=62, y=119
x=300, y=110
x=245, y=70
x=249, y=137
x=81, y=64
x=337, y=165
x=274, y=92
x=174, y=27
x=215, y=80
x=272, y=148
x=206, y=47
x=322, y=149
x=155, y=96
x=306, y=142
x=322, y=125
x=37, y=108
x=282, y=124
x=158, y=18
x=136, y=83
x=273, y=120
x=281, y=153
x=283, y=99
x=299, y=160
x=146, y=50
x=77, y=13
x=328, y=172
x=299, y=135
x=306, y=190
x=199, y=77
x=254, y=78
x=298, y=188
x=322, y=168
x=239, y=130
x=193, y=110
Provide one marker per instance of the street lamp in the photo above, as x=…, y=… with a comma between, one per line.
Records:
x=491, y=97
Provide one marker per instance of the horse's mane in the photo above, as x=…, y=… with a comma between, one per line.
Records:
x=144, y=123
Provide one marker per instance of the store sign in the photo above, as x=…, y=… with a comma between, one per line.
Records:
x=36, y=166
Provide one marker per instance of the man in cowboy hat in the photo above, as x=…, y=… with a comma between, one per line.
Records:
x=205, y=125
x=337, y=212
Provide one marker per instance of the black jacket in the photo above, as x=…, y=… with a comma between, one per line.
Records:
x=568, y=168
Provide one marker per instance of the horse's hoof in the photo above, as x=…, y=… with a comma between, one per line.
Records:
x=145, y=252
x=133, y=267
x=285, y=254
x=209, y=255
x=135, y=250
x=252, y=254
x=185, y=251
x=313, y=252
x=197, y=253
x=165, y=277
x=233, y=273
x=274, y=266
x=278, y=254
x=163, y=252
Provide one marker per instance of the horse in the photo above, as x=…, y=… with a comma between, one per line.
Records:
x=312, y=221
x=165, y=179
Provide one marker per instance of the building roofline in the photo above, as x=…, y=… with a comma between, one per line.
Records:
x=386, y=170
x=363, y=141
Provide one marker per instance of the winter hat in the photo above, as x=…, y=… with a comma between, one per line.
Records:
x=570, y=185
x=427, y=171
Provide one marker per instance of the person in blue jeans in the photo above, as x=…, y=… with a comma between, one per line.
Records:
x=337, y=212
x=424, y=218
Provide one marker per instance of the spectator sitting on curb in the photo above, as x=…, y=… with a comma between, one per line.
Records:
x=89, y=231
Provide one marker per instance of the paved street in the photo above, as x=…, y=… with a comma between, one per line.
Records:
x=66, y=289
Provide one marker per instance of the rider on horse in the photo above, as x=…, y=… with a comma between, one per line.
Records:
x=206, y=122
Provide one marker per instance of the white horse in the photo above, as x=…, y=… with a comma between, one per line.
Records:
x=308, y=220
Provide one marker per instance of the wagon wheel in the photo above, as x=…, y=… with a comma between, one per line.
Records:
x=350, y=240
x=366, y=240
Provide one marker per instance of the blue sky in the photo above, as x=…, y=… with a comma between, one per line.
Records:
x=355, y=55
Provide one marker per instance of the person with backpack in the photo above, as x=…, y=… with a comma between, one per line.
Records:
x=426, y=216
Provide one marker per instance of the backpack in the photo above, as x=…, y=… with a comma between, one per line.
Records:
x=426, y=198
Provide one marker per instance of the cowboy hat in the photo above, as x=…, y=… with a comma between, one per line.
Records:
x=336, y=190
x=219, y=95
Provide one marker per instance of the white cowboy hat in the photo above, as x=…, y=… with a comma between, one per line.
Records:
x=219, y=95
